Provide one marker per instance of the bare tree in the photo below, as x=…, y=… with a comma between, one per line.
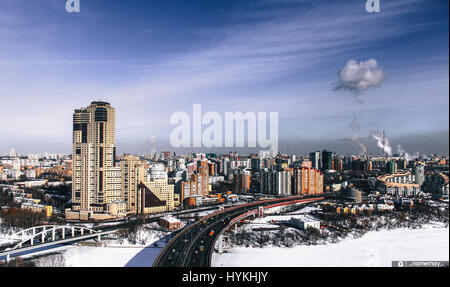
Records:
x=51, y=261
x=19, y=262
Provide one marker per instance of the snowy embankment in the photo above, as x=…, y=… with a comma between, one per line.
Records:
x=7, y=235
x=149, y=240
x=373, y=249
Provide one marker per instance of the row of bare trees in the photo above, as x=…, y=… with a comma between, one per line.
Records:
x=21, y=218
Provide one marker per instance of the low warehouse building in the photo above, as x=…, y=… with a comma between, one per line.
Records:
x=305, y=222
x=169, y=222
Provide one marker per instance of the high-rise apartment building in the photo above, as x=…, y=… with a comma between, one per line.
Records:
x=133, y=173
x=307, y=181
x=392, y=167
x=276, y=182
x=338, y=163
x=96, y=181
x=419, y=173
x=198, y=185
x=241, y=180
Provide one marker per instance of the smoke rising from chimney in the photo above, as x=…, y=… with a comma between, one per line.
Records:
x=356, y=139
x=406, y=155
x=382, y=141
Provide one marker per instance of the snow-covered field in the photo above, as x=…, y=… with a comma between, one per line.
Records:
x=373, y=249
x=90, y=256
x=87, y=256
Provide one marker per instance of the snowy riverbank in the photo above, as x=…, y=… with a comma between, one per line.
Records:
x=373, y=249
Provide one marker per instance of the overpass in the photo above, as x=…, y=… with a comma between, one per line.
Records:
x=193, y=246
x=48, y=235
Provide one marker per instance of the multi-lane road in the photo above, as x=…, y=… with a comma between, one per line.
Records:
x=193, y=246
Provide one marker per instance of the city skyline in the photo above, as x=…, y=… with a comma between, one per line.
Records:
x=167, y=59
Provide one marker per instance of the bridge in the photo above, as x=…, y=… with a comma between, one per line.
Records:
x=193, y=246
x=47, y=235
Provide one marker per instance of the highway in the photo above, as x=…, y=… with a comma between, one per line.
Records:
x=193, y=246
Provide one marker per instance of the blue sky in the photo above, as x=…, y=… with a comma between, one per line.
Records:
x=150, y=59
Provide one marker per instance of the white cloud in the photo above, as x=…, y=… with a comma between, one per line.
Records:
x=357, y=77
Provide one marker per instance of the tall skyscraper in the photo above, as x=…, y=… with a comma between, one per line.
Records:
x=95, y=180
x=315, y=159
x=327, y=160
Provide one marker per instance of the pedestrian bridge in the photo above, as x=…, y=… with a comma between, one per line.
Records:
x=48, y=235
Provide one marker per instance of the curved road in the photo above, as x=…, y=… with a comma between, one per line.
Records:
x=193, y=246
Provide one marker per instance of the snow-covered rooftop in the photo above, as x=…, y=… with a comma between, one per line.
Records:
x=170, y=219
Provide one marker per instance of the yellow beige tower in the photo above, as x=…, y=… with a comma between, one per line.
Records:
x=133, y=174
x=96, y=181
x=143, y=196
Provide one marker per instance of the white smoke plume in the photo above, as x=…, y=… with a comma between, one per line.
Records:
x=382, y=141
x=357, y=77
x=406, y=155
x=354, y=125
x=357, y=140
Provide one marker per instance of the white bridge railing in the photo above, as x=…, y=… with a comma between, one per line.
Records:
x=49, y=233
